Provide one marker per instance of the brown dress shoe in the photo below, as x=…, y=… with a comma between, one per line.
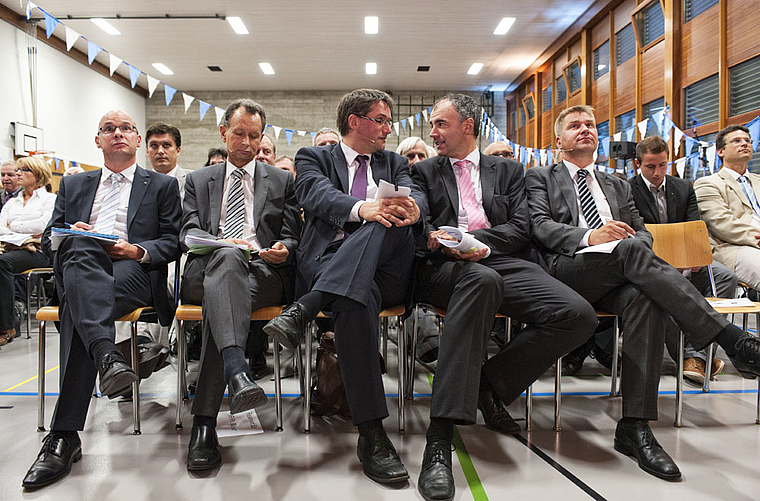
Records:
x=694, y=370
x=7, y=336
x=717, y=367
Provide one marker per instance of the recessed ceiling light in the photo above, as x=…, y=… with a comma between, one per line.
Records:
x=105, y=26
x=423, y=68
x=214, y=68
x=475, y=68
x=504, y=25
x=163, y=68
x=266, y=68
x=371, y=24
x=237, y=25
x=370, y=68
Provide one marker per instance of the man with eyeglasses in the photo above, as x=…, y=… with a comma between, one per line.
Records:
x=97, y=283
x=499, y=149
x=728, y=203
x=10, y=182
x=355, y=258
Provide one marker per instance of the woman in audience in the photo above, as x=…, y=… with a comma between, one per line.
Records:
x=27, y=213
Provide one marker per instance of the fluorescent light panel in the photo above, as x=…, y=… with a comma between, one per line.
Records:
x=237, y=25
x=266, y=68
x=371, y=25
x=370, y=68
x=105, y=26
x=163, y=68
x=475, y=68
x=504, y=25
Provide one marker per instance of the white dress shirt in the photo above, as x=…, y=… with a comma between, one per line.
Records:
x=353, y=164
x=477, y=186
x=249, y=233
x=31, y=218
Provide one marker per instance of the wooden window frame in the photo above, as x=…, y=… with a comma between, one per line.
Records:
x=642, y=6
x=532, y=97
x=576, y=59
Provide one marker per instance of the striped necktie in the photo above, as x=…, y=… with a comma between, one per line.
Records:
x=476, y=217
x=233, y=224
x=750, y=193
x=110, y=205
x=588, y=205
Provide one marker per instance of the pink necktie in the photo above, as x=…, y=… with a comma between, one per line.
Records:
x=476, y=218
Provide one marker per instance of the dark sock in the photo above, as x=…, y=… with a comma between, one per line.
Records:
x=204, y=421
x=314, y=301
x=485, y=384
x=440, y=429
x=99, y=348
x=71, y=436
x=368, y=427
x=728, y=337
x=234, y=361
x=628, y=421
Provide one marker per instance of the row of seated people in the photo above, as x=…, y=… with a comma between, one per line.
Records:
x=353, y=256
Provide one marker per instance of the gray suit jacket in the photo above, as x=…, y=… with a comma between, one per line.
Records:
x=553, y=206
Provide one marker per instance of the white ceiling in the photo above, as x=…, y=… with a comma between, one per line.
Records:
x=322, y=45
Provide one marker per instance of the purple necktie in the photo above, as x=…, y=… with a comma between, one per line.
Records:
x=359, y=187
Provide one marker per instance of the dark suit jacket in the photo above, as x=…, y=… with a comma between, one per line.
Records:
x=553, y=206
x=153, y=220
x=682, y=201
x=322, y=190
x=504, y=201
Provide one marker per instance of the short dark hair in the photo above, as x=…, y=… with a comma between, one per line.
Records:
x=652, y=144
x=160, y=128
x=466, y=107
x=359, y=102
x=250, y=106
x=214, y=152
x=720, y=141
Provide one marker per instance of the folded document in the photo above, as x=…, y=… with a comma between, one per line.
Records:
x=464, y=242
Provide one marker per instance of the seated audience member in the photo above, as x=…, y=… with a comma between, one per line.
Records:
x=99, y=283
x=73, y=170
x=499, y=149
x=485, y=197
x=10, y=182
x=258, y=209
x=286, y=163
x=729, y=202
x=27, y=213
x=574, y=206
x=414, y=149
x=267, y=152
x=326, y=136
x=216, y=156
x=355, y=258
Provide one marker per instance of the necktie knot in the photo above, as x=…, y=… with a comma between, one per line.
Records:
x=463, y=165
x=582, y=175
x=238, y=173
x=116, y=177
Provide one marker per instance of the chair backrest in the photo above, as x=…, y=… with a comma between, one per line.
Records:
x=682, y=245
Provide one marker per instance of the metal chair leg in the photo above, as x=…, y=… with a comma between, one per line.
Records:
x=181, y=361
x=708, y=368
x=401, y=371
x=557, y=394
x=385, y=339
x=757, y=413
x=29, y=305
x=529, y=408
x=614, y=391
x=307, y=372
x=277, y=387
x=679, y=384
x=413, y=354
x=41, y=380
x=136, y=384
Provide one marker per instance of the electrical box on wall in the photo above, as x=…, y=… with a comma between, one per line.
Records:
x=27, y=139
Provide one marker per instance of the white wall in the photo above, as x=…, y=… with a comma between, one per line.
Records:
x=71, y=98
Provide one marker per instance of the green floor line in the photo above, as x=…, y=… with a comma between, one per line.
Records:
x=473, y=480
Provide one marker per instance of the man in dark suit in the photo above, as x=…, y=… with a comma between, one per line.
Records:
x=355, y=257
x=484, y=196
x=97, y=284
x=9, y=182
x=228, y=284
x=573, y=207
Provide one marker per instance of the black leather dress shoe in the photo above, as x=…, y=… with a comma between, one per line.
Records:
x=244, y=394
x=747, y=357
x=379, y=459
x=288, y=328
x=54, y=460
x=572, y=363
x=436, y=482
x=637, y=440
x=203, y=449
x=495, y=415
x=260, y=371
x=115, y=374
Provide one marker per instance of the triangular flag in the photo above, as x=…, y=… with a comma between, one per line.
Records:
x=677, y=136
x=288, y=135
x=188, y=100
x=643, y=127
x=754, y=132
x=537, y=157
x=152, y=84
x=667, y=126
x=395, y=126
x=417, y=116
x=425, y=115
x=71, y=38
x=134, y=74
x=549, y=157
x=524, y=155
x=169, y=93
x=276, y=132
x=65, y=164
x=403, y=124
x=74, y=164
x=92, y=51
x=29, y=7
x=711, y=156
x=629, y=132
x=114, y=62
x=659, y=119
x=204, y=106
x=219, y=115
x=617, y=136
x=696, y=166
x=57, y=162
x=411, y=123
x=50, y=24
x=543, y=157
x=301, y=133
x=680, y=166
x=313, y=135
x=689, y=144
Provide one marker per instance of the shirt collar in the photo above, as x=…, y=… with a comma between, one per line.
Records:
x=249, y=168
x=649, y=185
x=128, y=173
x=473, y=156
x=573, y=169
x=351, y=154
x=735, y=174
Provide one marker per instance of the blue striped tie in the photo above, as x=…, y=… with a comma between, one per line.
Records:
x=233, y=224
x=110, y=206
x=750, y=193
x=588, y=205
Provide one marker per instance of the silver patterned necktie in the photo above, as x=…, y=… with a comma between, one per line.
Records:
x=233, y=224
x=588, y=205
x=110, y=205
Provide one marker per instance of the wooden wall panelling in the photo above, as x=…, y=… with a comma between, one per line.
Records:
x=723, y=64
x=700, y=47
x=625, y=87
x=587, y=60
x=600, y=32
x=742, y=22
x=653, y=73
x=600, y=97
x=622, y=14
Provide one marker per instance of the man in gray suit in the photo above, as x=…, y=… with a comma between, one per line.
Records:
x=574, y=207
x=252, y=204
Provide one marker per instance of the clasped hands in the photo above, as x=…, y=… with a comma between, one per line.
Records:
x=399, y=211
x=277, y=254
x=118, y=251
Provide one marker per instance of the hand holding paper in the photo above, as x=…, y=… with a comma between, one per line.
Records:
x=463, y=242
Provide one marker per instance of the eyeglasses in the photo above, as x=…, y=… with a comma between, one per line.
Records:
x=23, y=169
x=505, y=154
x=124, y=128
x=379, y=121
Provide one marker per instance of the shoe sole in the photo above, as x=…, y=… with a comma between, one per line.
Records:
x=32, y=487
x=624, y=449
x=274, y=331
x=117, y=384
x=203, y=467
x=386, y=480
x=249, y=399
x=427, y=498
x=747, y=371
x=694, y=377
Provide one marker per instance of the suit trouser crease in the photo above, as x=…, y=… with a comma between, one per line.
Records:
x=14, y=261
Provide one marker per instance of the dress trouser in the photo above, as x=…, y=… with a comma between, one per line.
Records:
x=12, y=262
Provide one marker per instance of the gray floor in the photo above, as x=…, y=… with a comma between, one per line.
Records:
x=718, y=449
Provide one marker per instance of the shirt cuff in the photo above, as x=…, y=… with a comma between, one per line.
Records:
x=584, y=243
x=146, y=257
x=353, y=217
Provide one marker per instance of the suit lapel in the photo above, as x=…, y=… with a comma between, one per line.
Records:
x=672, y=199
x=609, y=193
x=215, y=195
x=139, y=186
x=90, y=189
x=449, y=181
x=734, y=185
x=566, y=187
x=341, y=166
x=260, y=189
x=380, y=167
x=487, y=181
x=644, y=194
